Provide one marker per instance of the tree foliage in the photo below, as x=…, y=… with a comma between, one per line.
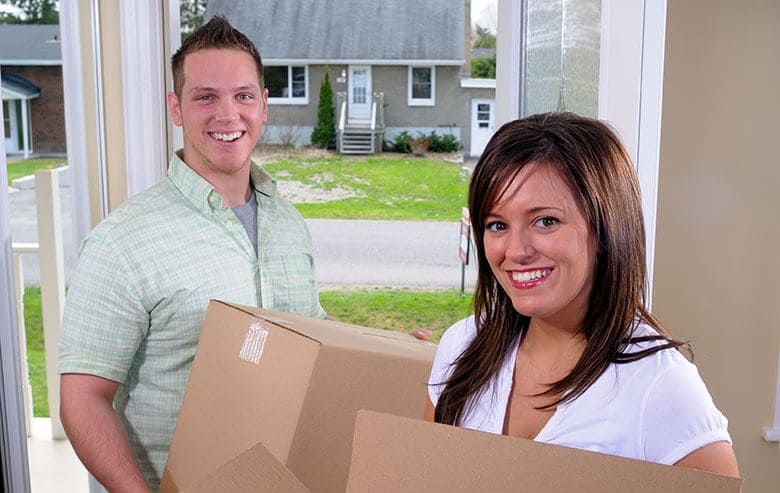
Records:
x=191, y=14
x=484, y=38
x=483, y=67
x=324, y=134
x=31, y=12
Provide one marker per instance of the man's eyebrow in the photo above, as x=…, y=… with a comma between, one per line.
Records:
x=245, y=87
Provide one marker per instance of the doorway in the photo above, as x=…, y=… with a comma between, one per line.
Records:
x=483, y=124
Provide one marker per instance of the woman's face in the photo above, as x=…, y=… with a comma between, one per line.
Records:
x=540, y=247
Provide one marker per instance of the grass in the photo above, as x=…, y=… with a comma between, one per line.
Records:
x=394, y=188
x=399, y=309
x=36, y=358
x=23, y=167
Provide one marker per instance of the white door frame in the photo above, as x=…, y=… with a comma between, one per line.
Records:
x=480, y=138
x=362, y=110
x=12, y=139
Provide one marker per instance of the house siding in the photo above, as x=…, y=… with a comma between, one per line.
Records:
x=46, y=111
x=293, y=123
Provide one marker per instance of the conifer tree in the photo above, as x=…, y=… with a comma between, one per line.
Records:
x=324, y=134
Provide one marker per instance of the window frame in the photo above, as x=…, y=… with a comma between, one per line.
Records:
x=412, y=101
x=290, y=100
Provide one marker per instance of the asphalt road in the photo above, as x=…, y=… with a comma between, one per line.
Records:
x=422, y=255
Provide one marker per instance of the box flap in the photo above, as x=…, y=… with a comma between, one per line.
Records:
x=335, y=333
x=396, y=454
x=241, y=370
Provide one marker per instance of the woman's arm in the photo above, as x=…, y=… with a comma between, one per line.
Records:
x=717, y=457
x=430, y=411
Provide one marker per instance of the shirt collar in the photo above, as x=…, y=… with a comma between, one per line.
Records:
x=201, y=194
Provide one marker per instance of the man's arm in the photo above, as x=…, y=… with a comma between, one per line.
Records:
x=96, y=433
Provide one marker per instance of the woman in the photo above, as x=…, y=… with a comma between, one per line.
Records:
x=563, y=350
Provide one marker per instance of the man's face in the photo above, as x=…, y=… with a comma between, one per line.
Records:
x=221, y=110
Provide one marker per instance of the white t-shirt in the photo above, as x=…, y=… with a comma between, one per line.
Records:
x=655, y=409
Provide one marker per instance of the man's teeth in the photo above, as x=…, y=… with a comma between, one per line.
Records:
x=227, y=137
x=529, y=275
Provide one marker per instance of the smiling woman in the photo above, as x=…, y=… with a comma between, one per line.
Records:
x=560, y=322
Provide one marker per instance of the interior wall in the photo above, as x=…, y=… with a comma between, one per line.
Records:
x=717, y=274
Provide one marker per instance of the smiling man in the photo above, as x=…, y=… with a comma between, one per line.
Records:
x=215, y=228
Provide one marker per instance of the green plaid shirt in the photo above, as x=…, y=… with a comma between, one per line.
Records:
x=145, y=275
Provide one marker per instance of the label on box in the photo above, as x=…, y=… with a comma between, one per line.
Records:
x=254, y=343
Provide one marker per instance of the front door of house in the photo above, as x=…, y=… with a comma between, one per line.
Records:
x=359, y=87
x=10, y=126
x=483, y=124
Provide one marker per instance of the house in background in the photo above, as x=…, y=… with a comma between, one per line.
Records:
x=31, y=68
x=395, y=65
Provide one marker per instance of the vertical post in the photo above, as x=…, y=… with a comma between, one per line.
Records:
x=20, y=249
x=51, y=261
x=26, y=137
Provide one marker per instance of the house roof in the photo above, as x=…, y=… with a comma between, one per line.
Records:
x=15, y=87
x=350, y=31
x=30, y=44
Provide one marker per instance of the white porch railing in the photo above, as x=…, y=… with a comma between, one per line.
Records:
x=51, y=261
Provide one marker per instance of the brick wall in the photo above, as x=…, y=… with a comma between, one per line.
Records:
x=47, y=111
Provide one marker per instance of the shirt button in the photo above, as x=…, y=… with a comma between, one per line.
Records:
x=212, y=199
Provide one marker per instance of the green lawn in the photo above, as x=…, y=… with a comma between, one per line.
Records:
x=23, y=167
x=405, y=188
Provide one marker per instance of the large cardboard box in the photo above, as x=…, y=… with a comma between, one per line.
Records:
x=272, y=399
x=396, y=454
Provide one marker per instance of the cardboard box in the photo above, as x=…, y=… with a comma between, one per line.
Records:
x=268, y=386
x=396, y=454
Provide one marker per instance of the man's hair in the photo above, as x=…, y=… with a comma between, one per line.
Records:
x=215, y=34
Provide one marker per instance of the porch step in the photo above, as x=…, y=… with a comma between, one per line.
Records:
x=357, y=140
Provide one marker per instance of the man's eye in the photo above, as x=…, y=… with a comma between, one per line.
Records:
x=204, y=97
x=547, y=222
x=245, y=97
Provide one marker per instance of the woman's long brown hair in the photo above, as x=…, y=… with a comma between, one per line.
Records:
x=591, y=158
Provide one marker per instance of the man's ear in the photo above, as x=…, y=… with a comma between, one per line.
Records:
x=174, y=109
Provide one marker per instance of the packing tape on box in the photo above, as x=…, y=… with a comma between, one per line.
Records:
x=254, y=343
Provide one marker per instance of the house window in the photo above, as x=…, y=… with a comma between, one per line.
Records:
x=422, y=86
x=287, y=84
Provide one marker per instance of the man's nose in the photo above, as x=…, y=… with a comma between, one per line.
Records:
x=227, y=110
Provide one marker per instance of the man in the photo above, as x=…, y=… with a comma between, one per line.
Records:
x=214, y=228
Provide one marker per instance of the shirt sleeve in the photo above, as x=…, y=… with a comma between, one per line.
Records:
x=104, y=320
x=679, y=415
x=451, y=345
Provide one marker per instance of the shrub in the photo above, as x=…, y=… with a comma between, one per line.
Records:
x=442, y=143
x=324, y=134
x=402, y=143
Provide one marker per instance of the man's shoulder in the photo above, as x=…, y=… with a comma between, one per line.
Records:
x=159, y=201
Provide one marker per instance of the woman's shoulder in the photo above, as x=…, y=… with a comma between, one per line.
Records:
x=459, y=334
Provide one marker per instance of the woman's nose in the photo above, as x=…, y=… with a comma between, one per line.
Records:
x=520, y=247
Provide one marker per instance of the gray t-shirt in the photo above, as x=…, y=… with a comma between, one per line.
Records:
x=247, y=214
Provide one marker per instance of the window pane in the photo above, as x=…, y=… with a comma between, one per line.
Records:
x=276, y=81
x=299, y=82
x=421, y=83
x=562, y=56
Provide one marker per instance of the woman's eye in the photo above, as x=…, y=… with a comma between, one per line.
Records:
x=494, y=226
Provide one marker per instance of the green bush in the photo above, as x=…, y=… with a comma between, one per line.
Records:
x=483, y=67
x=402, y=143
x=436, y=142
x=442, y=143
x=324, y=134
